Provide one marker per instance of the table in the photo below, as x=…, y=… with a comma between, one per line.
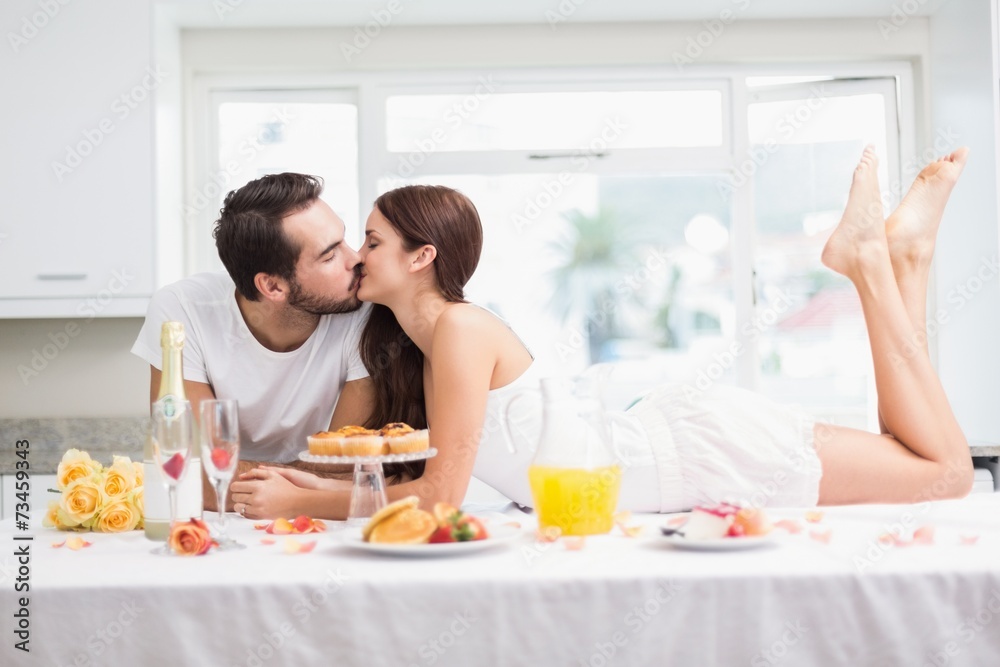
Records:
x=617, y=601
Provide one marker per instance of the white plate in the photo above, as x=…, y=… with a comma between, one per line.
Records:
x=719, y=544
x=499, y=535
x=369, y=460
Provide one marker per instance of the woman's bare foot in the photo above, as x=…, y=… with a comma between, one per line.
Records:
x=912, y=228
x=860, y=235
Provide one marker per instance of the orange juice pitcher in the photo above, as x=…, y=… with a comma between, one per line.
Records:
x=574, y=476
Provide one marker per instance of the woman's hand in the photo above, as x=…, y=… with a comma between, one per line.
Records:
x=267, y=493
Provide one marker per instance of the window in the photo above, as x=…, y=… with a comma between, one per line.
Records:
x=648, y=219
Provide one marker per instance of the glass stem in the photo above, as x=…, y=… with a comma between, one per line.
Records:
x=172, y=493
x=220, y=504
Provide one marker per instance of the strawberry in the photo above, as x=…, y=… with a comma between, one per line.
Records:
x=175, y=466
x=220, y=458
x=455, y=526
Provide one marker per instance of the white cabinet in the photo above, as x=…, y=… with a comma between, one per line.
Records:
x=39, y=498
x=76, y=237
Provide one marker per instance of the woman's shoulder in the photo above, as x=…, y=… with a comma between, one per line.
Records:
x=466, y=316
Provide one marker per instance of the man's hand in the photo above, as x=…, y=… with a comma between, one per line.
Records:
x=244, y=467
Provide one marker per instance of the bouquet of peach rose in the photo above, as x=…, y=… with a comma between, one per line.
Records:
x=92, y=497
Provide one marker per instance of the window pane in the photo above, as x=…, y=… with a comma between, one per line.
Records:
x=321, y=139
x=813, y=343
x=554, y=121
x=634, y=269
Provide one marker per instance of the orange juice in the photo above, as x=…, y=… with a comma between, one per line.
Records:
x=577, y=501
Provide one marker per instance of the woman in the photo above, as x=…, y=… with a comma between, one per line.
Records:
x=422, y=246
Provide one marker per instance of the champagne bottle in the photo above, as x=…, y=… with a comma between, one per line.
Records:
x=156, y=510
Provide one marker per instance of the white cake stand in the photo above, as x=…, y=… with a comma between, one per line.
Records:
x=368, y=491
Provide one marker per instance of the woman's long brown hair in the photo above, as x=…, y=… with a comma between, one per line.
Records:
x=421, y=215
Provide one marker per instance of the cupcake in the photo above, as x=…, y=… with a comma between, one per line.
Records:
x=325, y=443
x=361, y=442
x=402, y=439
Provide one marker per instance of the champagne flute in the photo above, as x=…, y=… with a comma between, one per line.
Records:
x=220, y=442
x=173, y=445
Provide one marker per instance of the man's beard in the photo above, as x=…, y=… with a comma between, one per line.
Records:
x=318, y=305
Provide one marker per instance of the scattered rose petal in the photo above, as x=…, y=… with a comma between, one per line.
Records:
x=677, y=521
x=56, y=545
x=261, y=526
x=574, y=543
x=814, y=516
x=924, y=535
x=886, y=539
x=821, y=535
x=76, y=543
x=513, y=524
x=267, y=541
x=621, y=520
x=548, y=534
x=968, y=539
x=792, y=526
x=281, y=527
x=631, y=531
x=300, y=526
x=296, y=547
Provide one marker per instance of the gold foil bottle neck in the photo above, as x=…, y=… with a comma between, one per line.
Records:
x=172, y=335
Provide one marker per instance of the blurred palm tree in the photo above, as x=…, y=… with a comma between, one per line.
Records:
x=593, y=252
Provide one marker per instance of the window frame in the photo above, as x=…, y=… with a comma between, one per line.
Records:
x=371, y=89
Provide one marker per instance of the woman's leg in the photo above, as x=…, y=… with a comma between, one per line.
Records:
x=924, y=454
x=912, y=233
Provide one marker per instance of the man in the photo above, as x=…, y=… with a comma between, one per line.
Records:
x=280, y=332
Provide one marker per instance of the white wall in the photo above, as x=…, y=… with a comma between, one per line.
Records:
x=967, y=283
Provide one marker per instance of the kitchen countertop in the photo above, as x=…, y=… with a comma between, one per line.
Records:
x=104, y=437
x=50, y=438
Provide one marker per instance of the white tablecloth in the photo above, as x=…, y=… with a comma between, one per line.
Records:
x=618, y=601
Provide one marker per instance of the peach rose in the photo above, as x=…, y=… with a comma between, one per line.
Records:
x=190, y=538
x=119, y=479
x=81, y=501
x=138, y=500
x=51, y=519
x=140, y=473
x=74, y=465
x=117, y=516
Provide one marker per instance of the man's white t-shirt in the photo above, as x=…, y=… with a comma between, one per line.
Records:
x=283, y=396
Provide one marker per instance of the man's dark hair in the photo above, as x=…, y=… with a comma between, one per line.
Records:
x=249, y=234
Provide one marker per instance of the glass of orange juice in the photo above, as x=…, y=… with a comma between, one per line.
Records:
x=574, y=476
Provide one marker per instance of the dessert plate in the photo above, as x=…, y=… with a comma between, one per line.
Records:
x=499, y=536
x=720, y=543
x=369, y=460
